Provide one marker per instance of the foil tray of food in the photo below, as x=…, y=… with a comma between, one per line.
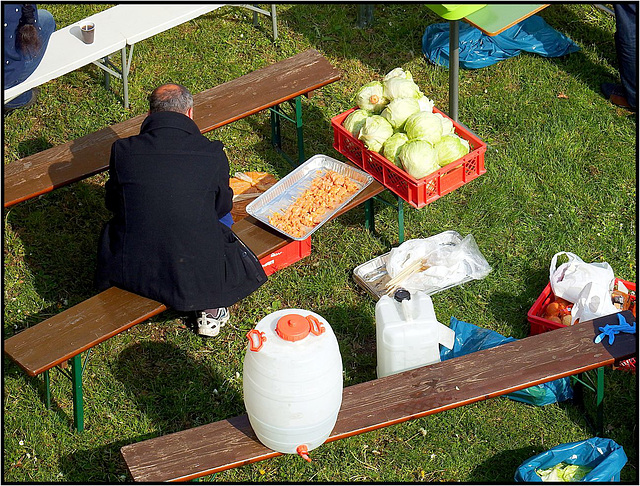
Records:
x=309, y=196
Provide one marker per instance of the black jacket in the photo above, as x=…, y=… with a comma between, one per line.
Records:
x=167, y=188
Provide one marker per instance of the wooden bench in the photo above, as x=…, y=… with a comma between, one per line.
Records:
x=117, y=28
x=67, y=335
x=368, y=406
x=265, y=88
x=76, y=330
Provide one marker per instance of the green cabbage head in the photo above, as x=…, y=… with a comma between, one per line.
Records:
x=424, y=126
x=371, y=97
x=401, y=88
x=392, y=146
x=398, y=110
x=425, y=104
x=397, y=73
x=447, y=124
x=564, y=472
x=451, y=148
x=355, y=120
x=419, y=158
x=374, y=132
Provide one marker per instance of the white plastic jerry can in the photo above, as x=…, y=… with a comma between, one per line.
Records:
x=292, y=381
x=408, y=335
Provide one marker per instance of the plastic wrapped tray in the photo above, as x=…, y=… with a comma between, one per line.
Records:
x=372, y=276
x=288, y=189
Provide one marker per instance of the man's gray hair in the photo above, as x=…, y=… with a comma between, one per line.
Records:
x=170, y=97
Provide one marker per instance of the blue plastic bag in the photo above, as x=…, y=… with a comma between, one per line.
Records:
x=478, y=50
x=603, y=455
x=470, y=338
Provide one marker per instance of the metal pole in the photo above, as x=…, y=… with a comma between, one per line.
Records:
x=454, y=53
x=274, y=21
x=365, y=15
x=125, y=76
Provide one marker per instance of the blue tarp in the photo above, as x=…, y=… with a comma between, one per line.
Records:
x=478, y=50
x=604, y=456
x=471, y=338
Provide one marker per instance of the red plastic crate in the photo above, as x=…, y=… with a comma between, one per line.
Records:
x=539, y=324
x=285, y=256
x=417, y=192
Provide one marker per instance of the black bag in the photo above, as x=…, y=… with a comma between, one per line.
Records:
x=243, y=272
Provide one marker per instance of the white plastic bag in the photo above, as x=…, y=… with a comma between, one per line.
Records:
x=570, y=278
x=448, y=260
x=594, y=301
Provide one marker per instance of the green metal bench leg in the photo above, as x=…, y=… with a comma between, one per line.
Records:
x=47, y=389
x=76, y=384
x=276, y=139
x=599, y=401
x=400, y=220
x=276, y=134
x=369, y=222
x=298, y=102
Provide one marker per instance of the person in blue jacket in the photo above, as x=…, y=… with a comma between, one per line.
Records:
x=625, y=94
x=26, y=32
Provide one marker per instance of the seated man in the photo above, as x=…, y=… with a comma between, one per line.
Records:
x=168, y=189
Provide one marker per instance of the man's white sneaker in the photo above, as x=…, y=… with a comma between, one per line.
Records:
x=210, y=321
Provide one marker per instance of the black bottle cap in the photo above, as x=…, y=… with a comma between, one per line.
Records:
x=402, y=294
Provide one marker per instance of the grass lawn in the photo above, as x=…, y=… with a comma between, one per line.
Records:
x=561, y=176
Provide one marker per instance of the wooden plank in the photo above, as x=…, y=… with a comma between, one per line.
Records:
x=230, y=443
x=59, y=338
x=261, y=89
x=496, y=18
x=264, y=88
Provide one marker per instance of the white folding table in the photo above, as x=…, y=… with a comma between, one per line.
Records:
x=116, y=28
x=69, y=53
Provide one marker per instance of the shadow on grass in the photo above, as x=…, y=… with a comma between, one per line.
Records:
x=169, y=388
x=501, y=467
x=173, y=390
x=102, y=464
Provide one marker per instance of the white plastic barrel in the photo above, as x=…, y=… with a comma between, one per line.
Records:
x=292, y=380
x=408, y=335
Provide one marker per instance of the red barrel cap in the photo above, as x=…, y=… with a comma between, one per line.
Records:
x=293, y=327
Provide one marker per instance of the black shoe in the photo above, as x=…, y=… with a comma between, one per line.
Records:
x=616, y=94
x=35, y=92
